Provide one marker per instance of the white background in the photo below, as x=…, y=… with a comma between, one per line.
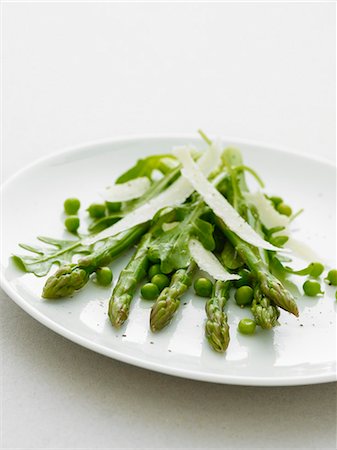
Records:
x=76, y=72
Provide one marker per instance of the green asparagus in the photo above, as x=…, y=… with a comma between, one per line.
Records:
x=73, y=277
x=217, y=328
x=270, y=286
x=168, y=302
x=130, y=276
x=265, y=313
x=256, y=260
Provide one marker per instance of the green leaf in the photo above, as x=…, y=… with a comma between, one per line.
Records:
x=100, y=224
x=144, y=168
x=282, y=271
x=171, y=246
x=277, y=268
x=60, y=252
x=230, y=257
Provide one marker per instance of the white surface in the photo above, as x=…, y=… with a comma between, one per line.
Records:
x=301, y=351
x=77, y=72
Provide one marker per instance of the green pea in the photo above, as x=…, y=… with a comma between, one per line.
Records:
x=96, y=210
x=276, y=200
x=72, y=223
x=247, y=326
x=284, y=209
x=331, y=278
x=152, y=256
x=312, y=288
x=154, y=270
x=149, y=291
x=203, y=287
x=316, y=269
x=244, y=295
x=113, y=207
x=161, y=281
x=71, y=205
x=279, y=241
x=104, y=276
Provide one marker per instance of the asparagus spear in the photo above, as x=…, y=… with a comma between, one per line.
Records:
x=168, y=301
x=130, y=276
x=71, y=277
x=269, y=285
x=256, y=260
x=217, y=328
x=265, y=313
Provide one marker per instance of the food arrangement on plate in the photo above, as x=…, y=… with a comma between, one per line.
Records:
x=185, y=211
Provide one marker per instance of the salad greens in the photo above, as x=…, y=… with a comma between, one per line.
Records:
x=213, y=222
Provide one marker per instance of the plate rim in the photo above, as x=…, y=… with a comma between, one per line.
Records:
x=140, y=362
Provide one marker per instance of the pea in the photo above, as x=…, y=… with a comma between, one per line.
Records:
x=203, y=287
x=316, y=269
x=149, y=291
x=331, y=278
x=244, y=295
x=152, y=256
x=113, y=207
x=161, y=281
x=71, y=205
x=247, y=326
x=72, y=223
x=104, y=276
x=284, y=209
x=154, y=270
x=276, y=200
x=96, y=210
x=279, y=241
x=312, y=288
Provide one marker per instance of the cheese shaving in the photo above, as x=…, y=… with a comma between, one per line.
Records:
x=127, y=191
x=220, y=206
x=267, y=213
x=208, y=262
x=174, y=195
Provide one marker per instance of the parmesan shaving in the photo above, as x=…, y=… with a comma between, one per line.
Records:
x=220, y=206
x=174, y=195
x=208, y=262
x=267, y=213
x=127, y=191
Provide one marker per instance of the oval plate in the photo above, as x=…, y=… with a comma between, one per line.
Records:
x=300, y=351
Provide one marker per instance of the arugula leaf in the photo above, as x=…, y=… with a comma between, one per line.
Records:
x=104, y=222
x=282, y=271
x=60, y=252
x=171, y=246
x=230, y=257
x=144, y=168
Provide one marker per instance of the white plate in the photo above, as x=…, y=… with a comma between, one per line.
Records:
x=300, y=351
